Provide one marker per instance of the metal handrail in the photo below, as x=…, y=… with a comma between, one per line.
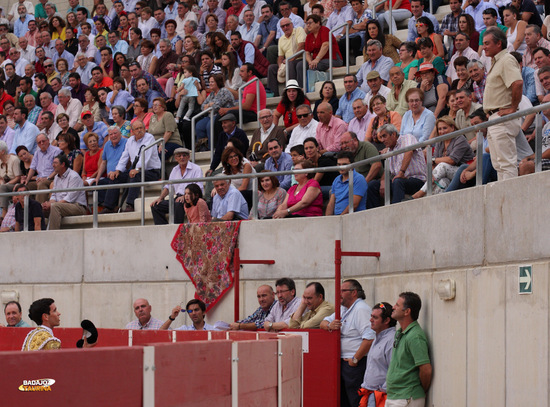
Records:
x=302, y=51
x=194, y=132
x=390, y=26
x=346, y=25
x=257, y=80
x=476, y=128
x=142, y=159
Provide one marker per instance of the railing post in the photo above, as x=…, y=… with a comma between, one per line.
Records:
x=479, y=159
x=429, y=176
x=193, y=135
x=538, y=142
x=240, y=107
x=350, y=197
x=94, y=206
x=254, y=210
x=142, y=189
x=390, y=25
x=26, y=214
x=171, y=204
x=258, y=102
x=163, y=159
x=387, y=183
x=330, y=55
x=347, y=49
x=211, y=134
x=304, y=74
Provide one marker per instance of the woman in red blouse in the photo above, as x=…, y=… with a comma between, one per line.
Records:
x=316, y=47
x=293, y=96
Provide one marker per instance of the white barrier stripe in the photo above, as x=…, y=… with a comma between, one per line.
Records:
x=149, y=376
x=234, y=374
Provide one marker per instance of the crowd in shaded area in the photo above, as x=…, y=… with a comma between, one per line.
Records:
x=82, y=94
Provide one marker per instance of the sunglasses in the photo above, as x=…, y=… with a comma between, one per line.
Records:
x=420, y=25
x=48, y=66
x=301, y=116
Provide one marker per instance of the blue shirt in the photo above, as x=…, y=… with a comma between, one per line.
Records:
x=529, y=90
x=25, y=136
x=20, y=28
x=340, y=190
x=120, y=46
x=66, y=55
x=112, y=154
x=265, y=29
x=283, y=164
x=233, y=201
x=345, y=108
x=412, y=26
x=123, y=98
x=100, y=129
x=382, y=66
x=150, y=96
x=477, y=14
x=422, y=128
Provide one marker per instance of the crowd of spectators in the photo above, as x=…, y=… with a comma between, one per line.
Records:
x=142, y=70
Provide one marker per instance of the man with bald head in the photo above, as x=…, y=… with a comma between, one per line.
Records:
x=144, y=320
x=395, y=101
x=330, y=129
x=266, y=299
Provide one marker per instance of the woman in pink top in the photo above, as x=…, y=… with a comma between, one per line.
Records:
x=304, y=198
x=195, y=207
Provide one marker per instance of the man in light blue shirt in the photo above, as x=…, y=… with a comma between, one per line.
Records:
x=91, y=126
x=417, y=9
x=112, y=151
x=353, y=92
x=279, y=161
x=21, y=25
x=116, y=44
x=228, y=203
x=339, y=197
x=25, y=132
x=377, y=62
x=475, y=8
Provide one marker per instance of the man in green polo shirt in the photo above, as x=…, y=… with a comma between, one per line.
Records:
x=410, y=372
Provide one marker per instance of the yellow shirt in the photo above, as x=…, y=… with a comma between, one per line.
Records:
x=56, y=35
x=289, y=46
x=505, y=70
x=312, y=319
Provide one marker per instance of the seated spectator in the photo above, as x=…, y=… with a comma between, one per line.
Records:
x=196, y=309
x=10, y=175
x=69, y=105
x=48, y=126
x=42, y=166
x=477, y=74
x=353, y=92
x=268, y=130
x=291, y=42
x=163, y=125
x=231, y=73
x=303, y=199
x=390, y=43
x=228, y=203
x=527, y=164
x=25, y=161
x=129, y=168
x=327, y=94
x=90, y=126
x=466, y=107
x=533, y=39
x=339, y=197
x=99, y=80
x=6, y=132
x=12, y=312
x=418, y=120
x=425, y=29
x=329, y=130
x=376, y=62
x=249, y=102
x=417, y=10
x=448, y=156
x=92, y=157
x=290, y=11
x=287, y=303
x=270, y=196
x=425, y=47
x=25, y=132
x=381, y=116
x=34, y=111
x=144, y=320
x=220, y=45
x=307, y=127
x=148, y=60
x=218, y=97
x=434, y=86
x=362, y=150
x=317, y=307
x=325, y=179
x=293, y=96
x=141, y=112
x=407, y=60
x=145, y=92
x=247, y=53
x=12, y=79
x=66, y=143
x=278, y=161
x=63, y=123
x=234, y=163
x=376, y=86
x=35, y=214
x=249, y=29
x=401, y=10
x=407, y=170
x=398, y=88
x=516, y=29
x=266, y=40
x=316, y=47
x=528, y=75
x=119, y=120
x=359, y=124
x=137, y=73
x=463, y=80
x=112, y=151
x=462, y=50
x=91, y=103
x=169, y=56
x=184, y=170
x=119, y=97
x=342, y=13
x=255, y=321
x=467, y=25
x=63, y=204
x=229, y=131
x=196, y=208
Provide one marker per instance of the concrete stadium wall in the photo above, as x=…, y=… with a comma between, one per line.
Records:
x=489, y=345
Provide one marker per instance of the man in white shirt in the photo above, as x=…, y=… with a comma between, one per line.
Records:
x=286, y=12
x=376, y=86
x=462, y=41
x=27, y=51
x=249, y=30
x=256, y=7
x=307, y=127
x=184, y=15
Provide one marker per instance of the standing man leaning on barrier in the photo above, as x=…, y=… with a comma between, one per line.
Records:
x=317, y=307
x=255, y=321
x=503, y=90
x=410, y=372
x=356, y=339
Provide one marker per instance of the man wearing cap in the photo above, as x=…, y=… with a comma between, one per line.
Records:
x=376, y=86
x=353, y=92
x=396, y=102
x=502, y=95
x=184, y=170
x=377, y=62
x=267, y=131
x=91, y=126
x=229, y=130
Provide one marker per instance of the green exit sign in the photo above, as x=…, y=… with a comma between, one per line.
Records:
x=525, y=279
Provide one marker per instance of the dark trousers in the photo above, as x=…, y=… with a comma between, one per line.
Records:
x=354, y=48
x=160, y=211
x=399, y=187
x=350, y=382
x=111, y=197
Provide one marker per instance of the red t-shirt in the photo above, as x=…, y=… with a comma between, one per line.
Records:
x=105, y=83
x=252, y=89
x=289, y=118
x=5, y=97
x=405, y=5
x=313, y=45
